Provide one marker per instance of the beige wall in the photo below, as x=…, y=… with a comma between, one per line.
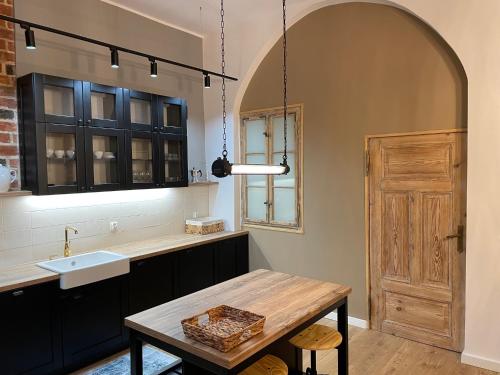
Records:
x=71, y=58
x=359, y=69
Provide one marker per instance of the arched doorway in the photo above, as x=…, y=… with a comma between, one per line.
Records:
x=358, y=68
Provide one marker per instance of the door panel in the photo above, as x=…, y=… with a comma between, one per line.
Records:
x=395, y=237
x=436, y=225
x=418, y=312
x=417, y=188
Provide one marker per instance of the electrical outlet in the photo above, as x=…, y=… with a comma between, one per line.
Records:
x=113, y=226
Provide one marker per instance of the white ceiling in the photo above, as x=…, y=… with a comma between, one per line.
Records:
x=201, y=17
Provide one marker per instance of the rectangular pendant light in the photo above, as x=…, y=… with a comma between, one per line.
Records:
x=257, y=169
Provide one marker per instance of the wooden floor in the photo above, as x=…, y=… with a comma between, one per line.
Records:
x=376, y=353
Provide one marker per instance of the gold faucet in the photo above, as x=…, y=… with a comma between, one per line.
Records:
x=67, y=251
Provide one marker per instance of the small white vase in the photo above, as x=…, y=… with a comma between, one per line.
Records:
x=7, y=176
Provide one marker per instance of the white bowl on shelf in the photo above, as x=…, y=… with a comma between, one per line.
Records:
x=59, y=154
x=98, y=154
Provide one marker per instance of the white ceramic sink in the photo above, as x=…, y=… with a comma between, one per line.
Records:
x=87, y=268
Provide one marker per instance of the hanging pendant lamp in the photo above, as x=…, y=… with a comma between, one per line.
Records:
x=222, y=167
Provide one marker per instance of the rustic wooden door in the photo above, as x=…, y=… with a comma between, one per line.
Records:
x=417, y=188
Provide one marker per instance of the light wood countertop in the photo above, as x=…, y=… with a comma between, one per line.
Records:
x=26, y=274
x=286, y=301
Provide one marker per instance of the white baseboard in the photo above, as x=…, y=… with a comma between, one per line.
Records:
x=350, y=320
x=475, y=360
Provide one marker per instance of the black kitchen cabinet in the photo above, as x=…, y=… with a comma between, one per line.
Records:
x=142, y=160
x=102, y=105
x=56, y=100
x=140, y=110
x=78, y=136
x=172, y=115
x=151, y=282
x=231, y=258
x=92, y=321
x=30, y=341
x=172, y=160
x=46, y=330
x=194, y=269
x=105, y=158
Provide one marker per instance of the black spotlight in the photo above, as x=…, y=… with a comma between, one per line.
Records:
x=114, y=58
x=154, y=69
x=30, y=38
x=207, y=81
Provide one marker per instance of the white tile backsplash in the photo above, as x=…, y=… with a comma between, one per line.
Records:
x=32, y=227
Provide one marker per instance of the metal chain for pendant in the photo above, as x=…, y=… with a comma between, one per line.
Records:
x=285, y=78
x=223, y=66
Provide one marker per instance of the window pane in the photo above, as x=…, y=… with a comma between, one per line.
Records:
x=61, y=164
x=258, y=180
x=142, y=160
x=284, y=205
x=278, y=144
x=256, y=209
x=105, y=150
x=58, y=100
x=102, y=106
x=255, y=138
x=140, y=111
x=173, y=162
x=287, y=180
x=172, y=115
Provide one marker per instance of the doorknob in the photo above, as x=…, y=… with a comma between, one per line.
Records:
x=459, y=236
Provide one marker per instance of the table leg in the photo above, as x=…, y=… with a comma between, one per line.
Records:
x=343, y=349
x=135, y=354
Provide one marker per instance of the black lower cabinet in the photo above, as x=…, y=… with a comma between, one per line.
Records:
x=46, y=330
x=30, y=342
x=194, y=269
x=151, y=282
x=92, y=321
x=231, y=258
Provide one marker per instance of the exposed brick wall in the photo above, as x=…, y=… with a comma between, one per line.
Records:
x=9, y=149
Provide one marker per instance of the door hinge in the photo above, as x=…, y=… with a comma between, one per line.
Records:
x=367, y=162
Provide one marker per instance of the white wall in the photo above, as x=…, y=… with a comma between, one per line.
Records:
x=32, y=227
x=473, y=31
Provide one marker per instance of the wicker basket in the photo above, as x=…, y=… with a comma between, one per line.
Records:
x=204, y=225
x=225, y=328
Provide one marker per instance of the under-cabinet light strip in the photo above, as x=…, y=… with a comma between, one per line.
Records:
x=31, y=25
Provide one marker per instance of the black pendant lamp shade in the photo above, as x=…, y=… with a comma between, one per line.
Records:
x=115, y=63
x=30, y=38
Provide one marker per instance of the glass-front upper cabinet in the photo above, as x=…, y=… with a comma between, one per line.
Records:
x=102, y=105
x=139, y=110
x=172, y=113
x=142, y=161
x=105, y=157
x=57, y=100
x=173, y=166
x=60, y=165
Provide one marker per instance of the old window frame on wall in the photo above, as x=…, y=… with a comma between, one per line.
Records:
x=268, y=114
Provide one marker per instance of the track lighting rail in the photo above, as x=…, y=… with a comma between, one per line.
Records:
x=31, y=25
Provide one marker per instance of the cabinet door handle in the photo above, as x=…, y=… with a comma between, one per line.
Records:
x=141, y=263
x=18, y=293
x=80, y=121
x=89, y=122
x=77, y=297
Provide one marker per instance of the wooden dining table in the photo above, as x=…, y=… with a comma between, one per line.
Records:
x=289, y=303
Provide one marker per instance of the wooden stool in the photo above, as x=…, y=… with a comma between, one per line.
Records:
x=316, y=337
x=267, y=365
